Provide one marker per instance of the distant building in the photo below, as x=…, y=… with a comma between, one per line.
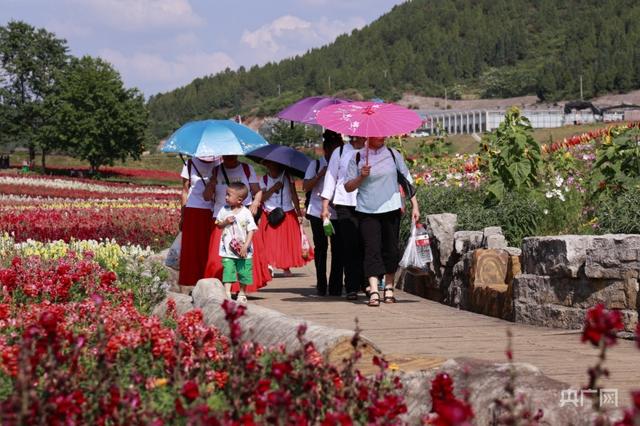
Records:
x=477, y=121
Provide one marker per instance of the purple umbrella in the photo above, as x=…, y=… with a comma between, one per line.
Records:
x=294, y=161
x=305, y=110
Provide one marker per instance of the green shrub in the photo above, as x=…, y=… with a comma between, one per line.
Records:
x=519, y=215
x=618, y=214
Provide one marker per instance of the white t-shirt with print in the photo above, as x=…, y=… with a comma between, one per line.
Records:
x=235, y=174
x=196, y=189
x=243, y=224
x=315, y=203
x=274, y=200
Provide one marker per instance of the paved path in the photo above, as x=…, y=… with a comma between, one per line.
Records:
x=417, y=327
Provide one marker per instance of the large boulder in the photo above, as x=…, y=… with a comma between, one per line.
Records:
x=613, y=256
x=465, y=241
x=558, y=256
x=443, y=228
x=486, y=382
x=493, y=238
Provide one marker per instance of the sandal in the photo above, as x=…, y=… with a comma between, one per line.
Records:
x=374, y=302
x=389, y=299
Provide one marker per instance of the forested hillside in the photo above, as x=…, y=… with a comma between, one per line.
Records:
x=491, y=48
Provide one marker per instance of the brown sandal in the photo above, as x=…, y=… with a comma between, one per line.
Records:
x=389, y=299
x=374, y=302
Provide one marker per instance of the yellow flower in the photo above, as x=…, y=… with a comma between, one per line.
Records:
x=160, y=382
x=393, y=366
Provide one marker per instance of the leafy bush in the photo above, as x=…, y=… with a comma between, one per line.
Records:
x=617, y=165
x=619, y=214
x=520, y=215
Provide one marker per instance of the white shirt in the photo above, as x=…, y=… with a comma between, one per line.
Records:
x=235, y=174
x=336, y=176
x=274, y=200
x=380, y=191
x=315, y=203
x=194, y=198
x=243, y=224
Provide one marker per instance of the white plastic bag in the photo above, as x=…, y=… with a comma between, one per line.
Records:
x=173, y=256
x=411, y=258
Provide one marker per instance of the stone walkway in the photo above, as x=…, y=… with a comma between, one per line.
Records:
x=421, y=333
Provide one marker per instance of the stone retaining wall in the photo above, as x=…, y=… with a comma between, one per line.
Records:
x=551, y=281
x=563, y=276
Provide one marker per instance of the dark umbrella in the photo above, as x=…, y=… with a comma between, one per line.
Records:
x=294, y=161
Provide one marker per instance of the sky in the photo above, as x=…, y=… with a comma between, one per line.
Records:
x=158, y=45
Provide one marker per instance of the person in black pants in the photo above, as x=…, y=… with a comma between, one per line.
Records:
x=344, y=203
x=313, y=185
x=374, y=172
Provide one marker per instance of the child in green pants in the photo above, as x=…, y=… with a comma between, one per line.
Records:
x=236, y=249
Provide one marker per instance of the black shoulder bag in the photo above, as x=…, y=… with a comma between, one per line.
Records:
x=276, y=216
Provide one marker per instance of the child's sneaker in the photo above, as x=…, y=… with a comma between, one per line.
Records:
x=242, y=299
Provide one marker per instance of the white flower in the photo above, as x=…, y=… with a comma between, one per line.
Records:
x=549, y=194
x=559, y=181
x=545, y=211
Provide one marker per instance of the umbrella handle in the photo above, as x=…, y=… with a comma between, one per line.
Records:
x=366, y=153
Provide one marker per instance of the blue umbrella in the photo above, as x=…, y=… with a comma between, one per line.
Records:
x=294, y=161
x=208, y=138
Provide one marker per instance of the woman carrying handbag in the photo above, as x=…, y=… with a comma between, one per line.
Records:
x=280, y=226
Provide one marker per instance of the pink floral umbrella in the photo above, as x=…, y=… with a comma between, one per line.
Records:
x=369, y=119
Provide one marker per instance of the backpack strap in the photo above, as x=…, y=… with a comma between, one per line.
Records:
x=245, y=167
x=190, y=164
x=317, y=166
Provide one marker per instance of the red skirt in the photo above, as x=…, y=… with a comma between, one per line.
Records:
x=261, y=274
x=283, y=242
x=196, y=231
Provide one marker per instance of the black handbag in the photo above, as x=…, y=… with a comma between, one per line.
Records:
x=407, y=187
x=276, y=216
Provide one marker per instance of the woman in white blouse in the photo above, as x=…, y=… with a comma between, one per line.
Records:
x=282, y=242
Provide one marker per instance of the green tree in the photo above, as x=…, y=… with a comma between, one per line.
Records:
x=30, y=60
x=97, y=117
x=285, y=133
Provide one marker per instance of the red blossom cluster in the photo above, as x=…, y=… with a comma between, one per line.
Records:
x=126, y=172
x=446, y=409
x=583, y=138
x=146, y=226
x=601, y=326
x=67, y=278
x=75, y=350
x=632, y=414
